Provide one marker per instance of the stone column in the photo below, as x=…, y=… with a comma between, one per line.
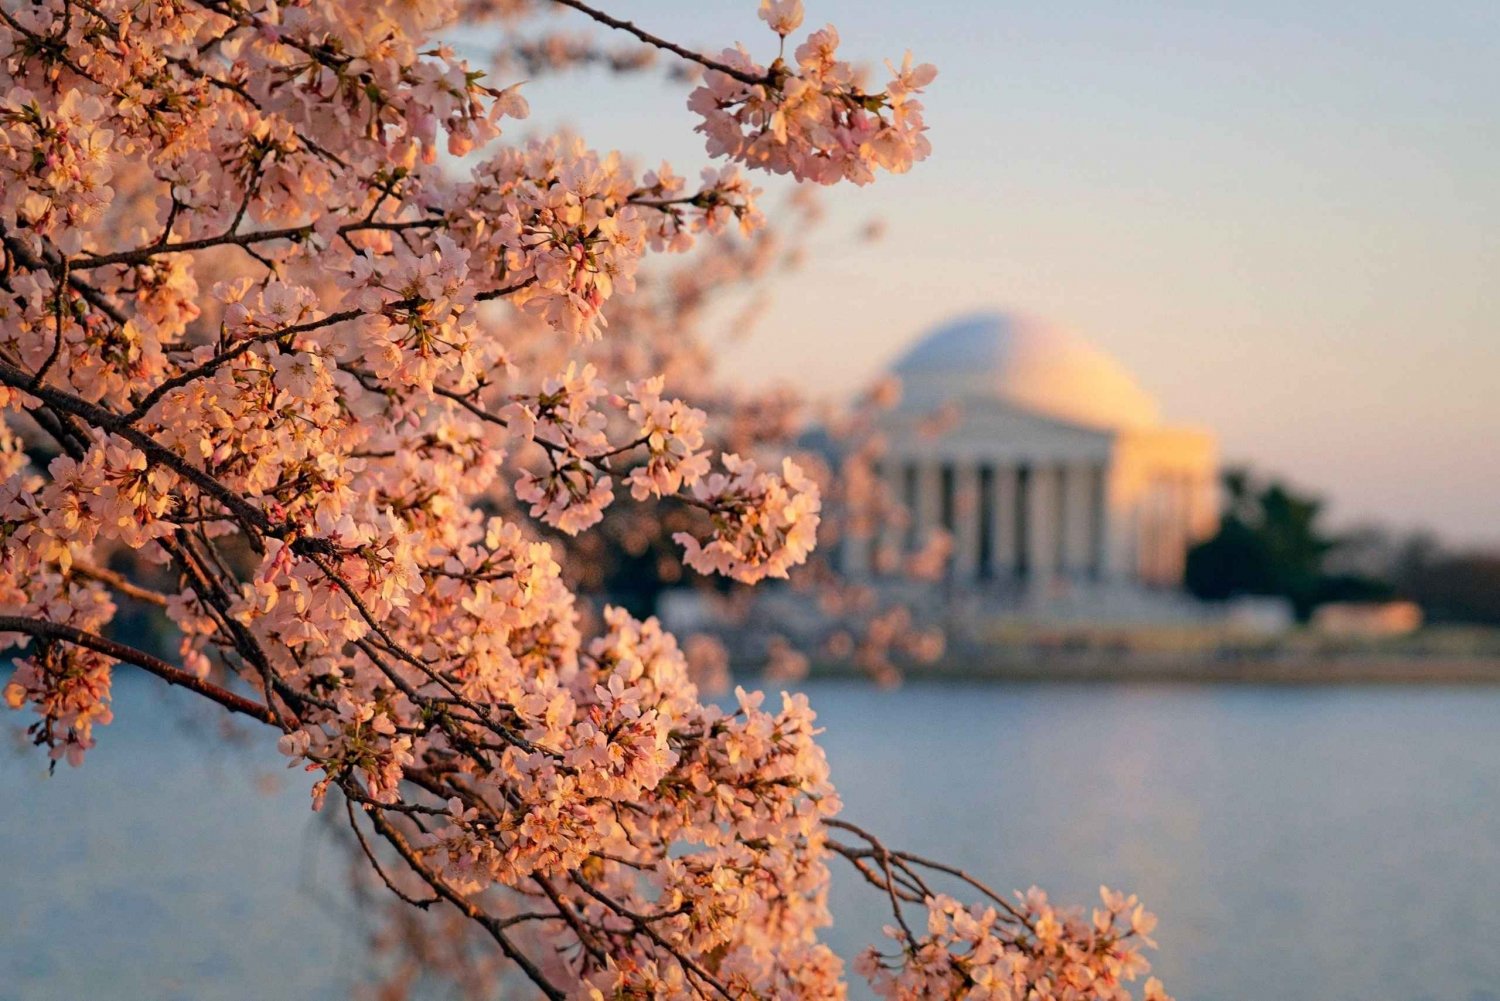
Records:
x=854, y=553
x=1148, y=518
x=1099, y=540
x=1182, y=526
x=1041, y=523
x=891, y=538
x=1165, y=504
x=1204, y=516
x=1158, y=522
x=965, y=522
x=928, y=512
x=1077, y=510
x=1003, y=522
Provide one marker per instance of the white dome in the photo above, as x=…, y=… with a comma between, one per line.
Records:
x=1026, y=364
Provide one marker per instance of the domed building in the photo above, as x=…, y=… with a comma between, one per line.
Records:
x=1045, y=462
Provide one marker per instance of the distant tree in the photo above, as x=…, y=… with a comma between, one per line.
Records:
x=1269, y=543
x=1451, y=587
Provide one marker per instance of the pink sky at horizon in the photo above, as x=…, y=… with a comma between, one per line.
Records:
x=1282, y=219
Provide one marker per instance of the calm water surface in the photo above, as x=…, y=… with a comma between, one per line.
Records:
x=1297, y=843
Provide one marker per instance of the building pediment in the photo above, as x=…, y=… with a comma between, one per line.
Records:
x=982, y=428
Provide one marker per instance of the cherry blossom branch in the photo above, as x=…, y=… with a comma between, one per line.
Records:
x=642, y=925
x=57, y=337
x=419, y=903
x=244, y=345
x=879, y=850
x=663, y=44
x=251, y=516
x=229, y=86
x=140, y=255
x=351, y=548
x=493, y=926
x=95, y=297
x=44, y=629
x=119, y=582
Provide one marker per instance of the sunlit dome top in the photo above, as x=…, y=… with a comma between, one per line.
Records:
x=1026, y=364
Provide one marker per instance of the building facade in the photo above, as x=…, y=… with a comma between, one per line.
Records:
x=1046, y=465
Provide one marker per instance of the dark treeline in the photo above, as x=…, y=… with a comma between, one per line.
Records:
x=1269, y=542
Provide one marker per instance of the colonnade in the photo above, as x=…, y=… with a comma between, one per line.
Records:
x=1008, y=521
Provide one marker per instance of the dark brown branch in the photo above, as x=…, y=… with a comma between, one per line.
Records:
x=663, y=44
x=95, y=297
x=45, y=630
x=490, y=924
x=643, y=925
x=223, y=357
x=57, y=337
x=119, y=583
x=879, y=850
x=218, y=360
x=230, y=238
x=417, y=902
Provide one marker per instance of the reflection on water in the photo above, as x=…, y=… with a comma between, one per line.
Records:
x=1297, y=843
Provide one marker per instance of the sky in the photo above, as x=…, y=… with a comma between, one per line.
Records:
x=1283, y=218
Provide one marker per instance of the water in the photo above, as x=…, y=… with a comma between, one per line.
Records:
x=1297, y=843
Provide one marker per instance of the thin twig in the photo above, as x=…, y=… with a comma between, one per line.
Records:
x=663, y=44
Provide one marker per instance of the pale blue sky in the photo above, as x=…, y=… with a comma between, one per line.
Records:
x=1282, y=217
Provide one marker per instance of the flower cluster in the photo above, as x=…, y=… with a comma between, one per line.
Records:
x=724, y=195
x=70, y=689
x=67, y=686
x=672, y=433
x=763, y=523
x=1027, y=950
x=811, y=118
x=56, y=163
x=555, y=219
x=563, y=418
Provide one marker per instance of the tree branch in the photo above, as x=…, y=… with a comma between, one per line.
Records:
x=471, y=910
x=250, y=516
x=45, y=630
x=662, y=43
x=142, y=254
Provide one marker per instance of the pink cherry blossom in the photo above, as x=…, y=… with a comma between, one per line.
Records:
x=304, y=352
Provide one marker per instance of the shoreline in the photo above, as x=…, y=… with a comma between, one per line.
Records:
x=1293, y=671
